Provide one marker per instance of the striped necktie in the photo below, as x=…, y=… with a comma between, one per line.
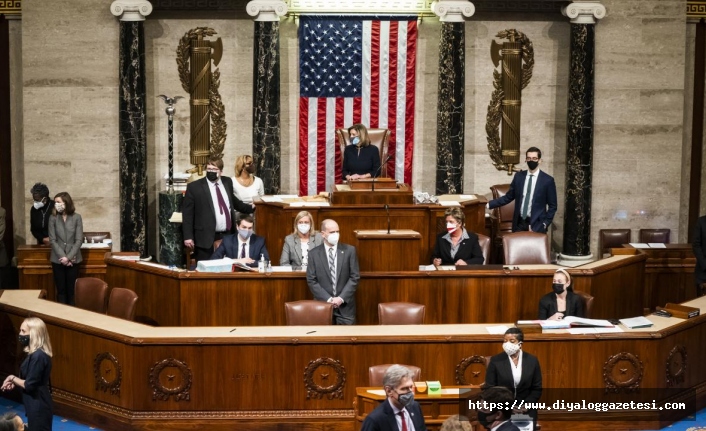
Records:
x=332, y=268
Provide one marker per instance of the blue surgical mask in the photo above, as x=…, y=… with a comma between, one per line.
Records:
x=355, y=140
x=244, y=233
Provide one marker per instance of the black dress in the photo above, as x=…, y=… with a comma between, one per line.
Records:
x=548, y=306
x=36, y=396
x=367, y=161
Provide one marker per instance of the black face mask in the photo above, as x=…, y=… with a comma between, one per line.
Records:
x=24, y=340
x=532, y=165
x=558, y=288
x=250, y=168
x=212, y=176
x=483, y=419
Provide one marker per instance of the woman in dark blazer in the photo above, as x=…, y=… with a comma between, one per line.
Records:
x=65, y=237
x=516, y=370
x=34, y=374
x=561, y=301
x=360, y=159
x=298, y=244
x=456, y=246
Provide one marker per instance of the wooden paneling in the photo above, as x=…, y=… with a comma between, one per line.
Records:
x=365, y=196
x=272, y=378
x=379, y=251
x=490, y=295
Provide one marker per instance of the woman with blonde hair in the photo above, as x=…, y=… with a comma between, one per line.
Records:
x=35, y=374
x=297, y=245
x=561, y=301
x=360, y=159
x=456, y=423
x=246, y=184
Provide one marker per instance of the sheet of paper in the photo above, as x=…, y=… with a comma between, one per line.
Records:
x=271, y=198
x=284, y=268
x=446, y=268
x=496, y=330
x=380, y=392
x=639, y=245
x=449, y=203
x=287, y=196
x=427, y=268
x=309, y=204
x=468, y=197
x=656, y=245
x=580, y=331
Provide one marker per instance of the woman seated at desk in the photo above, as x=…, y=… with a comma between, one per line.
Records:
x=457, y=246
x=360, y=159
x=562, y=301
x=297, y=245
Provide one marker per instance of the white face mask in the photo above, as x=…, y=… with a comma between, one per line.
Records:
x=303, y=228
x=451, y=227
x=333, y=238
x=38, y=204
x=511, y=348
x=59, y=207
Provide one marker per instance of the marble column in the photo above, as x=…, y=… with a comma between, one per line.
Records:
x=450, y=105
x=132, y=120
x=267, y=136
x=579, y=126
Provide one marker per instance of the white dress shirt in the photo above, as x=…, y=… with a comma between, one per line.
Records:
x=398, y=418
x=221, y=225
x=529, y=195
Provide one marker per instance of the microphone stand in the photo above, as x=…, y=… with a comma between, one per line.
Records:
x=387, y=208
x=387, y=159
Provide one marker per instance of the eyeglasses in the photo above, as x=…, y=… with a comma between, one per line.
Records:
x=532, y=159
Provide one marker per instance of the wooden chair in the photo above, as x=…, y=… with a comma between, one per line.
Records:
x=501, y=223
x=401, y=313
x=484, y=242
x=587, y=302
x=610, y=238
x=377, y=372
x=121, y=303
x=308, y=313
x=92, y=294
x=523, y=248
x=654, y=235
x=378, y=137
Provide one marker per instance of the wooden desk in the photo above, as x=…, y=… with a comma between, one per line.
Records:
x=35, y=270
x=361, y=193
x=275, y=220
x=669, y=273
x=120, y=375
x=373, y=245
x=206, y=299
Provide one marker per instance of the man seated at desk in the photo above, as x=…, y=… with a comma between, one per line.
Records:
x=245, y=247
x=399, y=408
x=456, y=246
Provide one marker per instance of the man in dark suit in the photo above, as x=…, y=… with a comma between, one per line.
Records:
x=245, y=247
x=699, y=245
x=399, y=412
x=207, y=210
x=333, y=275
x=497, y=419
x=536, y=196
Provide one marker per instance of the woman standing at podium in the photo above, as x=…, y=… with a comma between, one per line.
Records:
x=456, y=246
x=360, y=159
x=304, y=238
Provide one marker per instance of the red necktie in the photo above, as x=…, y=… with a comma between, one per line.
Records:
x=223, y=207
x=404, y=422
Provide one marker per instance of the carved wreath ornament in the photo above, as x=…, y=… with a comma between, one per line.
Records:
x=107, y=372
x=170, y=377
x=319, y=372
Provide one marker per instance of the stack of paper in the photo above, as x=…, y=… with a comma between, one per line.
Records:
x=637, y=322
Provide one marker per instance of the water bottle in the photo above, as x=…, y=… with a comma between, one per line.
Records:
x=261, y=264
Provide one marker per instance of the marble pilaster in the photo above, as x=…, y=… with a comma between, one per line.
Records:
x=171, y=238
x=579, y=130
x=132, y=125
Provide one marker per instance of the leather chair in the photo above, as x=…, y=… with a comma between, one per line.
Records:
x=587, y=302
x=308, y=313
x=610, y=238
x=654, y=235
x=400, y=313
x=92, y=294
x=96, y=236
x=484, y=242
x=501, y=223
x=378, y=137
x=523, y=248
x=121, y=303
x=377, y=372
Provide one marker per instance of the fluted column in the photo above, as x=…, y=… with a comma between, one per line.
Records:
x=267, y=135
x=579, y=130
x=132, y=123
x=450, y=104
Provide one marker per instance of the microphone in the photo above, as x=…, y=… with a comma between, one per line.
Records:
x=387, y=208
x=387, y=159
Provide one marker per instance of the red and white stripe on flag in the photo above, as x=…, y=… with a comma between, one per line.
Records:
x=387, y=101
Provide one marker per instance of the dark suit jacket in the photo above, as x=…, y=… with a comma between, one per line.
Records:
x=469, y=250
x=543, y=203
x=383, y=418
x=508, y=426
x=199, y=215
x=548, y=307
x=36, y=396
x=347, y=277
x=499, y=373
x=229, y=248
x=66, y=237
x=699, y=245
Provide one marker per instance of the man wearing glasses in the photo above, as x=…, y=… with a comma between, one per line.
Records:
x=536, y=196
x=207, y=210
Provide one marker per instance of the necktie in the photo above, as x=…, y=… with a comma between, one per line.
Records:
x=332, y=268
x=404, y=422
x=223, y=207
x=242, y=252
x=528, y=194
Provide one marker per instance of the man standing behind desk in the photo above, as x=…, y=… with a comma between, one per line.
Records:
x=536, y=193
x=399, y=412
x=207, y=210
x=333, y=275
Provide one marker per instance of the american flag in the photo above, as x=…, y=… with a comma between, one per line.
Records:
x=354, y=70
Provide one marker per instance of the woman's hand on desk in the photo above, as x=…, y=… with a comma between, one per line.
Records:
x=436, y=262
x=461, y=262
x=244, y=260
x=556, y=316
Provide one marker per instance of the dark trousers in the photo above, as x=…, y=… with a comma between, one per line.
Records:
x=523, y=224
x=65, y=282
